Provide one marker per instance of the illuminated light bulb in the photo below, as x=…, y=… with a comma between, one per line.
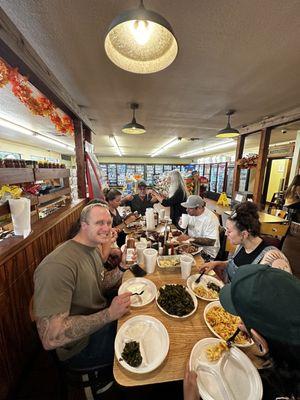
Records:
x=141, y=31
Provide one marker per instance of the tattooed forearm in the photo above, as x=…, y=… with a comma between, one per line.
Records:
x=276, y=259
x=205, y=241
x=111, y=278
x=61, y=329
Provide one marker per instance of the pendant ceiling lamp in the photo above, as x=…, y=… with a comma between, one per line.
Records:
x=133, y=128
x=228, y=132
x=141, y=41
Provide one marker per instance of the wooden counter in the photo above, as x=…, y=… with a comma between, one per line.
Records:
x=18, y=259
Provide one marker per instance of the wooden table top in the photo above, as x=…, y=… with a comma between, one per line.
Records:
x=265, y=218
x=183, y=333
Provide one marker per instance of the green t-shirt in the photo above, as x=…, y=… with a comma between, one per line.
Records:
x=70, y=279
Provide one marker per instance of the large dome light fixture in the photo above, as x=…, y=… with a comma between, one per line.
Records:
x=228, y=132
x=141, y=41
x=133, y=128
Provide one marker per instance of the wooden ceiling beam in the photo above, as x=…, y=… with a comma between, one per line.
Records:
x=272, y=122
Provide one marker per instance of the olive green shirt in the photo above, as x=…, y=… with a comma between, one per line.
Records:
x=70, y=279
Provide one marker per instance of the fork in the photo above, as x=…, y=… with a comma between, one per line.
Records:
x=199, y=277
x=138, y=294
x=232, y=337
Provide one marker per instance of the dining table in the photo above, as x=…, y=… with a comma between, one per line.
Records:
x=265, y=218
x=184, y=333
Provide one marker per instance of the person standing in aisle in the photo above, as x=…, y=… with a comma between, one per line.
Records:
x=292, y=199
x=140, y=201
x=177, y=195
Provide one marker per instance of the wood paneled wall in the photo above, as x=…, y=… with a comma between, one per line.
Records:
x=18, y=337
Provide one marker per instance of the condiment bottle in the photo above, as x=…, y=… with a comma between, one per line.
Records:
x=130, y=251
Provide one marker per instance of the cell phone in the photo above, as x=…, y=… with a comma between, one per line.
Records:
x=137, y=270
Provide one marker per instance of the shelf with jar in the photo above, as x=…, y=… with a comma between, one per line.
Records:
x=45, y=187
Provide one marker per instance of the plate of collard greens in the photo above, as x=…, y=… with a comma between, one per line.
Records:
x=176, y=300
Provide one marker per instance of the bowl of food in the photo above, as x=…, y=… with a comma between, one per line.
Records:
x=177, y=301
x=207, y=289
x=223, y=324
x=168, y=263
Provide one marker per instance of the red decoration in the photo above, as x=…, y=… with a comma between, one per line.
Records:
x=39, y=105
x=249, y=161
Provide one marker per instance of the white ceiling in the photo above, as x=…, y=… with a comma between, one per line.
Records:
x=232, y=54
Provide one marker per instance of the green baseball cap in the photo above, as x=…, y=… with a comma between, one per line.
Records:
x=267, y=299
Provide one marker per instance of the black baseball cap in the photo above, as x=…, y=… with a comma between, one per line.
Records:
x=142, y=183
x=267, y=299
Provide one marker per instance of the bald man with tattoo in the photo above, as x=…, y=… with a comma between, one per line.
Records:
x=70, y=307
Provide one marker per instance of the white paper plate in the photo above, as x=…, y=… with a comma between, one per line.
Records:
x=134, y=285
x=206, y=309
x=176, y=316
x=205, y=279
x=153, y=338
x=237, y=372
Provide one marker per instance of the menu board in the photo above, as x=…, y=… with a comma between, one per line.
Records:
x=149, y=174
x=229, y=186
x=213, y=177
x=112, y=174
x=221, y=177
x=121, y=174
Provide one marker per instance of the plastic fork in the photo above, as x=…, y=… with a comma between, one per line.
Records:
x=137, y=294
x=199, y=277
x=232, y=337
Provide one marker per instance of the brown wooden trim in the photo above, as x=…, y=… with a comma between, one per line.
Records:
x=88, y=135
x=236, y=173
x=10, y=246
x=51, y=196
x=9, y=176
x=272, y=122
x=261, y=164
x=51, y=173
x=80, y=161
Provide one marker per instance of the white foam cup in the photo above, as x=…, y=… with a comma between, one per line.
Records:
x=184, y=221
x=186, y=262
x=140, y=247
x=150, y=256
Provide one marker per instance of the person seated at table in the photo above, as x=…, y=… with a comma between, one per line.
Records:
x=113, y=198
x=108, y=251
x=203, y=225
x=141, y=200
x=177, y=194
x=70, y=307
x=267, y=300
x=243, y=229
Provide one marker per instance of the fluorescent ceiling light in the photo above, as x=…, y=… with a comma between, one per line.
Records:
x=166, y=146
x=26, y=131
x=208, y=149
x=114, y=142
x=15, y=127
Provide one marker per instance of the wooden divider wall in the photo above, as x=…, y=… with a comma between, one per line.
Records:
x=18, y=261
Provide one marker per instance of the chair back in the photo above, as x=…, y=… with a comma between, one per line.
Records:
x=275, y=230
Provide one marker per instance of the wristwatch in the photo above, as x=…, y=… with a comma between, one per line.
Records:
x=122, y=269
